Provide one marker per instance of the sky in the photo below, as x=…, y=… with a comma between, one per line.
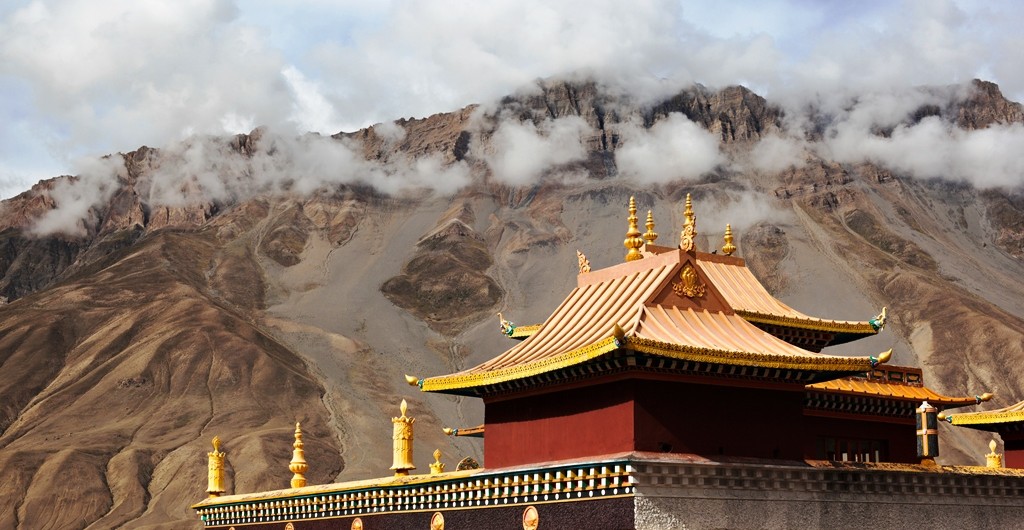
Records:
x=78, y=81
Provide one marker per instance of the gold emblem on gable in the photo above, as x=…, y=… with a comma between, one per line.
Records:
x=688, y=285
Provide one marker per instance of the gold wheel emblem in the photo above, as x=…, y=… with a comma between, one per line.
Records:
x=357, y=524
x=437, y=521
x=531, y=519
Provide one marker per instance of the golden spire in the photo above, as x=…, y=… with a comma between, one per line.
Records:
x=298, y=463
x=584, y=262
x=215, y=482
x=993, y=459
x=437, y=467
x=650, y=235
x=633, y=241
x=686, y=239
x=402, y=443
x=728, y=248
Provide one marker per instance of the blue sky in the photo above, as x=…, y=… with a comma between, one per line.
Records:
x=79, y=81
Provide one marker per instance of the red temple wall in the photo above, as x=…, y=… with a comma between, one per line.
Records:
x=899, y=438
x=559, y=425
x=1013, y=450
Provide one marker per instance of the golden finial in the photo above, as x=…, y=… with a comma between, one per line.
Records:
x=650, y=235
x=412, y=380
x=584, y=262
x=215, y=481
x=993, y=459
x=728, y=248
x=437, y=467
x=507, y=327
x=298, y=463
x=448, y=430
x=689, y=234
x=879, y=321
x=402, y=442
x=633, y=242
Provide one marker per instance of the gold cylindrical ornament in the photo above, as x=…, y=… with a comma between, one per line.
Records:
x=215, y=479
x=298, y=464
x=402, y=442
x=633, y=241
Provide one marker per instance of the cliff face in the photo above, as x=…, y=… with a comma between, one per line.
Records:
x=126, y=347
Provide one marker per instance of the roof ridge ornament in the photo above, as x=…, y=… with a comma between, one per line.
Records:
x=215, y=478
x=650, y=236
x=728, y=248
x=689, y=234
x=633, y=242
x=879, y=321
x=584, y=263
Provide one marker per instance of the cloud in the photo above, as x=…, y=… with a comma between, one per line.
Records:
x=774, y=153
x=522, y=152
x=75, y=198
x=672, y=149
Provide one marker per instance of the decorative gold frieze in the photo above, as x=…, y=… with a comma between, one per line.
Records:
x=215, y=481
x=583, y=262
x=298, y=464
x=633, y=242
x=689, y=285
x=402, y=442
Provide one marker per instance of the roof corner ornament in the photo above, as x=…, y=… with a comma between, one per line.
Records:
x=689, y=234
x=650, y=235
x=583, y=262
x=414, y=381
x=881, y=359
x=633, y=242
x=298, y=464
x=619, y=335
x=878, y=323
x=402, y=442
x=507, y=327
x=215, y=481
x=689, y=285
x=984, y=397
x=728, y=248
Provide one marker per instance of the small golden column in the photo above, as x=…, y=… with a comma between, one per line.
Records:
x=298, y=464
x=215, y=480
x=438, y=466
x=687, y=239
x=728, y=248
x=402, y=443
x=633, y=241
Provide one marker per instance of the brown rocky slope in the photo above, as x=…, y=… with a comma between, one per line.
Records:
x=126, y=348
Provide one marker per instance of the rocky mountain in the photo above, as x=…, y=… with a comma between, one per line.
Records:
x=125, y=347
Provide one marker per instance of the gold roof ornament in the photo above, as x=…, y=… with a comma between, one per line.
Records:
x=583, y=262
x=633, y=242
x=993, y=459
x=728, y=248
x=689, y=234
x=298, y=464
x=402, y=442
x=650, y=235
x=878, y=323
x=437, y=467
x=215, y=479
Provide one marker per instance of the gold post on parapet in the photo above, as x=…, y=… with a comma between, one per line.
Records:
x=438, y=466
x=402, y=443
x=215, y=480
x=993, y=459
x=633, y=242
x=298, y=464
x=689, y=233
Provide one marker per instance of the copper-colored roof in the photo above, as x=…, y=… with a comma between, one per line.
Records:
x=917, y=393
x=753, y=302
x=993, y=418
x=617, y=307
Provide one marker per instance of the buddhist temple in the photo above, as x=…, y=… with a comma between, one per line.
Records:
x=1007, y=421
x=670, y=390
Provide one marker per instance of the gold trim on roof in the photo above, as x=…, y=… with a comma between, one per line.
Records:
x=521, y=332
x=835, y=326
x=985, y=418
x=860, y=387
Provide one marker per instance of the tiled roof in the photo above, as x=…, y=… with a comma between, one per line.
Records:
x=620, y=307
x=860, y=386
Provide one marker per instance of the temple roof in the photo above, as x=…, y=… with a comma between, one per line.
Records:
x=990, y=420
x=637, y=306
x=895, y=382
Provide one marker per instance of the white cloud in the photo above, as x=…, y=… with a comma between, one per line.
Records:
x=523, y=152
x=672, y=149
